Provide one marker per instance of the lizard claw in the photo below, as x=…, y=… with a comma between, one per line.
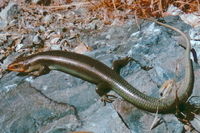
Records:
x=108, y=99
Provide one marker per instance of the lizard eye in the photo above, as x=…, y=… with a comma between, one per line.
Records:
x=16, y=66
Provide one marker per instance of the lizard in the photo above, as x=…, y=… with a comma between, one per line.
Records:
x=105, y=78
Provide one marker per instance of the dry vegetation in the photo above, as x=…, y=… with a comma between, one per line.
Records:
x=145, y=8
x=107, y=10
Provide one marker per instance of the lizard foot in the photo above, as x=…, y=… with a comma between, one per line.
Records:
x=108, y=99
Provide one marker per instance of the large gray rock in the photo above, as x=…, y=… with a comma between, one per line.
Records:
x=25, y=110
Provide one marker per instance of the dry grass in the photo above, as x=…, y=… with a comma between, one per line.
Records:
x=120, y=10
x=141, y=8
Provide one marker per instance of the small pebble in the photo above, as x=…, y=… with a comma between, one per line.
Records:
x=19, y=46
x=55, y=47
x=37, y=39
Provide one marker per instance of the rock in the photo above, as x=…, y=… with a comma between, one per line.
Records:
x=55, y=47
x=40, y=2
x=28, y=40
x=108, y=37
x=3, y=3
x=195, y=100
x=8, y=14
x=37, y=40
x=47, y=19
x=8, y=60
x=42, y=29
x=191, y=18
x=54, y=40
x=19, y=46
x=141, y=121
x=3, y=39
x=194, y=40
x=102, y=120
x=196, y=122
x=39, y=117
x=63, y=90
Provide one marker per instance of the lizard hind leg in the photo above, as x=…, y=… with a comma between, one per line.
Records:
x=118, y=64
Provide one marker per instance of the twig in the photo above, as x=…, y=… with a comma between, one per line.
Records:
x=156, y=121
x=113, y=2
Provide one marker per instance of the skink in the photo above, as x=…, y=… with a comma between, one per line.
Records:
x=104, y=77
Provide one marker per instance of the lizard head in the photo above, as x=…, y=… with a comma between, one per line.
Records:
x=21, y=64
x=18, y=66
x=26, y=65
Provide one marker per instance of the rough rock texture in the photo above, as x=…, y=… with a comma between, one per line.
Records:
x=24, y=110
x=8, y=14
